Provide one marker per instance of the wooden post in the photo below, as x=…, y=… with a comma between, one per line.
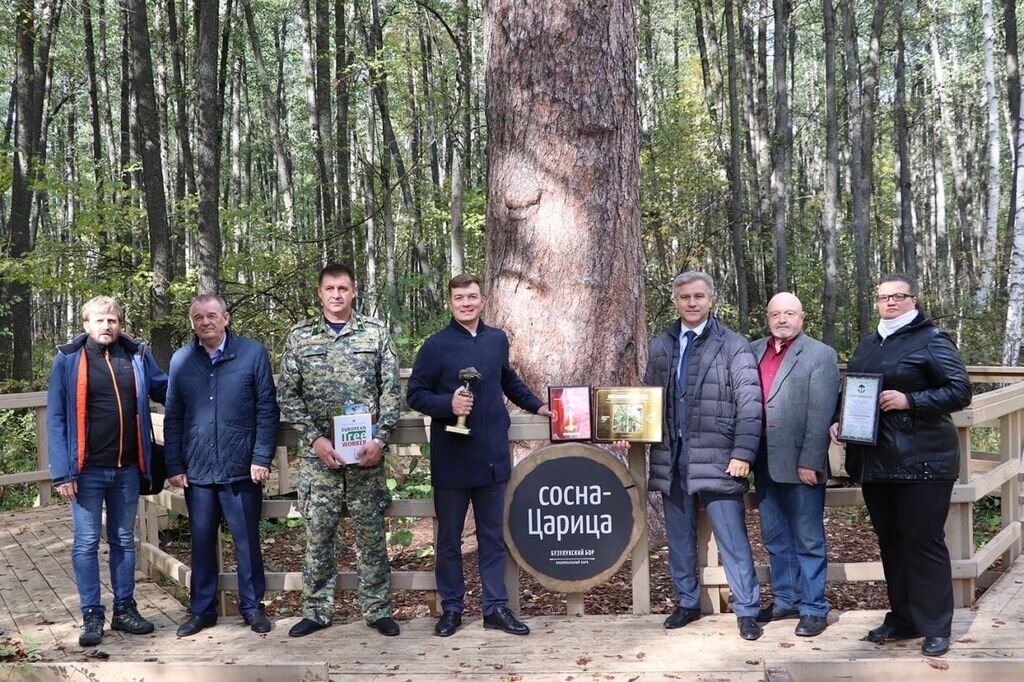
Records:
x=711, y=596
x=283, y=483
x=512, y=582
x=574, y=604
x=45, y=488
x=960, y=526
x=1010, y=451
x=639, y=561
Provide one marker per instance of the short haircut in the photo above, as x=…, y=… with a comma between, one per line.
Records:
x=461, y=281
x=336, y=270
x=102, y=304
x=899, y=277
x=207, y=298
x=691, y=276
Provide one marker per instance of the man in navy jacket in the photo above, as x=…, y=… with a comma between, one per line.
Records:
x=98, y=435
x=220, y=432
x=474, y=467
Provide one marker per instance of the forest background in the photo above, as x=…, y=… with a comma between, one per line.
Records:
x=153, y=149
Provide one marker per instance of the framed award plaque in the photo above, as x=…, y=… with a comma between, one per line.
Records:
x=632, y=413
x=570, y=413
x=858, y=417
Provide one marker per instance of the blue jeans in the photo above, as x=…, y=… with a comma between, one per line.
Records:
x=119, y=489
x=793, y=530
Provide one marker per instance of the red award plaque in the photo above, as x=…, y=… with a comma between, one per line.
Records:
x=570, y=410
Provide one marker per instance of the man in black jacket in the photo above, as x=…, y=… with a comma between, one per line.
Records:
x=712, y=432
x=471, y=467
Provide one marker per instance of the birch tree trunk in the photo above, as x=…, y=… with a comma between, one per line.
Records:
x=907, y=242
x=735, y=176
x=831, y=179
x=563, y=251
x=780, y=144
x=1012, y=336
x=457, y=242
x=990, y=236
x=282, y=160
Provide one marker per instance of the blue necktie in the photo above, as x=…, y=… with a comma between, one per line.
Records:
x=217, y=355
x=684, y=354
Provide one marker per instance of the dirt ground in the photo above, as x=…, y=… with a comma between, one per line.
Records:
x=848, y=530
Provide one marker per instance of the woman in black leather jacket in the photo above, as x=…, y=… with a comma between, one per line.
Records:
x=908, y=474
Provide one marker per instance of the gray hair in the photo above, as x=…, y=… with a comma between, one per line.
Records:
x=691, y=276
x=208, y=298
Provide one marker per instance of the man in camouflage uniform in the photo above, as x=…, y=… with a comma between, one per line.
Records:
x=341, y=362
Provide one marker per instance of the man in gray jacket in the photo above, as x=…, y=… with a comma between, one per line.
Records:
x=712, y=431
x=800, y=382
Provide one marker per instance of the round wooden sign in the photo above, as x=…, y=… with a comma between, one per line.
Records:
x=572, y=515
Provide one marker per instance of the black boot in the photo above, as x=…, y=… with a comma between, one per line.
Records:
x=92, y=629
x=128, y=619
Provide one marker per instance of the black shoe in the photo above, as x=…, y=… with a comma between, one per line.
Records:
x=92, y=629
x=449, y=623
x=935, y=646
x=503, y=619
x=886, y=632
x=386, y=626
x=811, y=626
x=259, y=622
x=750, y=629
x=680, y=617
x=128, y=619
x=196, y=624
x=305, y=627
x=774, y=612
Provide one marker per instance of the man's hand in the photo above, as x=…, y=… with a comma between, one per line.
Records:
x=893, y=400
x=807, y=476
x=258, y=474
x=69, y=490
x=325, y=451
x=462, y=403
x=545, y=411
x=833, y=433
x=738, y=468
x=369, y=455
x=179, y=481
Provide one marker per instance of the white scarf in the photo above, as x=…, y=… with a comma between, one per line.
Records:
x=887, y=328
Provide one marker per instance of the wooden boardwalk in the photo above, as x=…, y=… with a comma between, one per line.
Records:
x=39, y=605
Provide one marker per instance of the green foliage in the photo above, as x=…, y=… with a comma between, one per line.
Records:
x=17, y=454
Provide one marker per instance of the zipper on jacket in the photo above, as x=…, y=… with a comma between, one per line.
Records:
x=120, y=409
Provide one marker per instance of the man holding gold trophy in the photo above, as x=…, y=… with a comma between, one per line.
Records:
x=459, y=379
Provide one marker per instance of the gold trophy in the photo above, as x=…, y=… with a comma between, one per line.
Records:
x=470, y=375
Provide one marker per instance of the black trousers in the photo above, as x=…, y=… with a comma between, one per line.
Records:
x=909, y=519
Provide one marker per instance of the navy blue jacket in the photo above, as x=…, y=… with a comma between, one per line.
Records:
x=66, y=420
x=481, y=458
x=220, y=418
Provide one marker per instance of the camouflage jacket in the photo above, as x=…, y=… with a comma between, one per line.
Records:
x=322, y=373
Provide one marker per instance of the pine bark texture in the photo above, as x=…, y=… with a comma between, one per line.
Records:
x=209, y=147
x=564, y=261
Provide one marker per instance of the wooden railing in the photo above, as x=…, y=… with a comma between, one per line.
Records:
x=981, y=474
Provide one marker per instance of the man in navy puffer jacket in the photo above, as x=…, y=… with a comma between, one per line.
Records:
x=220, y=432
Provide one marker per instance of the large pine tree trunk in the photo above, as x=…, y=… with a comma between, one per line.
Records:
x=564, y=271
x=152, y=173
x=208, y=85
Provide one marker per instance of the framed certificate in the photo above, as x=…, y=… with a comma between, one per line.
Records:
x=858, y=417
x=632, y=413
x=570, y=413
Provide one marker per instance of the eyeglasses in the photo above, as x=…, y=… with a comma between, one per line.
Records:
x=899, y=298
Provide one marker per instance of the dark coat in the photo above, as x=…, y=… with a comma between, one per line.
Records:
x=723, y=408
x=65, y=424
x=220, y=418
x=799, y=408
x=920, y=443
x=481, y=458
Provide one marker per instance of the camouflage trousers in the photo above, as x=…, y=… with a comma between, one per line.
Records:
x=322, y=492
